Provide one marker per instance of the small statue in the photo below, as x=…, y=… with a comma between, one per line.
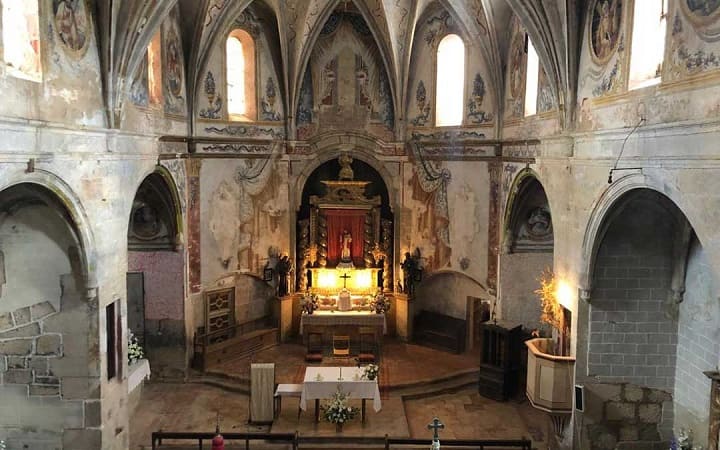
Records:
x=284, y=267
x=345, y=241
x=346, y=172
x=410, y=267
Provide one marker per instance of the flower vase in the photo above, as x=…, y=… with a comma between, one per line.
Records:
x=338, y=427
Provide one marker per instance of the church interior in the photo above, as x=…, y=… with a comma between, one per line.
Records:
x=338, y=223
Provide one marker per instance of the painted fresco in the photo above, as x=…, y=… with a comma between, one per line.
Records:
x=345, y=83
x=514, y=97
x=694, y=40
x=605, y=25
x=173, y=66
x=139, y=90
x=72, y=25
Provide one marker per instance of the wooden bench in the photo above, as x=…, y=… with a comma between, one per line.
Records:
x=439, y=331
x=235, y=342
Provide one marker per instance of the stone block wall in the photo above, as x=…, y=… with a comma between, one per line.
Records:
x=698, y=346
x=632, y=339
x=624, y=417
x=49, y=398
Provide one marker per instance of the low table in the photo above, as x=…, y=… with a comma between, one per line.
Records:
x=323, y=382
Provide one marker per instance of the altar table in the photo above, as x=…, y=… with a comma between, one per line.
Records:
x=356, y=318
x=327, y=383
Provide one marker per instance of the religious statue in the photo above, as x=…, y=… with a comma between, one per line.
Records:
x=410, y=267
x=346, y=172
x=284, y=268
x=345, y=241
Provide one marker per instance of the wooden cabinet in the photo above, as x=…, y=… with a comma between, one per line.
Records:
x=499, y=359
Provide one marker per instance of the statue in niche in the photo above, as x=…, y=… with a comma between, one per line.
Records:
x=146, y=222
x=345, y=241
x=539, y=223
x=346, y=172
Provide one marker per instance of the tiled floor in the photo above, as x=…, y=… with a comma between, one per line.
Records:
x=466, y=414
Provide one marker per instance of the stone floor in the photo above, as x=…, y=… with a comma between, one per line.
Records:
x=465, y=413
x=400, y=362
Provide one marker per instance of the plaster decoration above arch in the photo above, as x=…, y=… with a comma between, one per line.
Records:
x=71, y=202
x=604, y=206
x=329, y=148
x=157, y=200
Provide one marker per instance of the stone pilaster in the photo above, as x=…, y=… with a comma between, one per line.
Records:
x=193, y=225
x=495, y=172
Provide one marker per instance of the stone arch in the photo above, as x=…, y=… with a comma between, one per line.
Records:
x=364, y=148
x=525, y=180
x=58, y=188
x=173, y=194
x=156, y=297
x=528, y=244
x=50, y=317
x=606, y=203
x=633, y=328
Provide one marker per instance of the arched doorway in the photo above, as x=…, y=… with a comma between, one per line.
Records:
x=48, y=325
x=528, y=244
x=649, y=308
x=155, y=280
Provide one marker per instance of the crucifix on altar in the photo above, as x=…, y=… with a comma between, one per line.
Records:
x=435, y=426
x=345, y=277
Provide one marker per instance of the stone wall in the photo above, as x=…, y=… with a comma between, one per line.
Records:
x=517, y=300
x=698, y=346
x=632, y=339
x=624, y=417
x=51, y=396
x=165, y=342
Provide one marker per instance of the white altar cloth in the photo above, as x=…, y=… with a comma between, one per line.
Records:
x=328, y=384
x=137, y=373
x=357, y=318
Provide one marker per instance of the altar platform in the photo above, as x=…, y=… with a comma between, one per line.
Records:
x=343, y=320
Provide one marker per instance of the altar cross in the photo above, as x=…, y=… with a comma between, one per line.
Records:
x=435, y=426
x=345, y=277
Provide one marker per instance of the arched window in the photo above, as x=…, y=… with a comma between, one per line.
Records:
x=648, y=43
x=450, y=84
x=240, y=64
x=531, y=79
x=21, y=39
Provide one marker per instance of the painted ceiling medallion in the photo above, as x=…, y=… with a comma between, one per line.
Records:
x=71, y=23
x=701, y=12
x=605, y=25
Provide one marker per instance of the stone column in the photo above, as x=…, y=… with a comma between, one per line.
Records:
x=714, y=419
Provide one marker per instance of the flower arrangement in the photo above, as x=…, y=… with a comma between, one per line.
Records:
x=337, y=411
x=683, y=441
x=371, y=372
x=135, y=350
x=2, y=445
x=380, y=303
x=309, y=303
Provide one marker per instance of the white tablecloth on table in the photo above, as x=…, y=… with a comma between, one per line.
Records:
x=351, y=384
x=357, y=318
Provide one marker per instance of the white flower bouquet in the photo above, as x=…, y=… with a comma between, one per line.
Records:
x=380, y=304
x=309, y=303
x=371, y=372
x=337, y=411
x=135, y=350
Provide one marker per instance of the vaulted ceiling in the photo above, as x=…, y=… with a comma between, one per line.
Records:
x=126, y=27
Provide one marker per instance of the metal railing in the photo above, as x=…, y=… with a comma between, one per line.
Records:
x=297, y=441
